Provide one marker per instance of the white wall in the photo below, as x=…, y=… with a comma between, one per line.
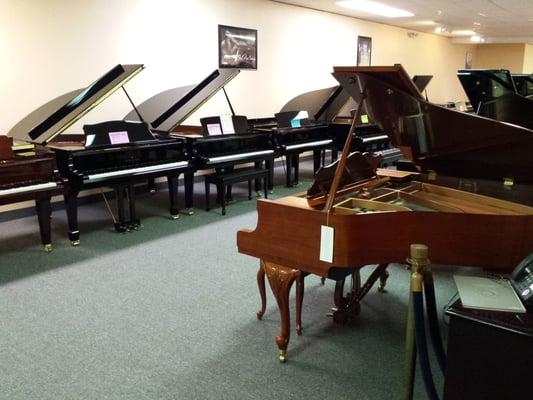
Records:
x=49, y=47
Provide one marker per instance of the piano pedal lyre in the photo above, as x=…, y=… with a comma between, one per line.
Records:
x=47, y=248
x=189, y=211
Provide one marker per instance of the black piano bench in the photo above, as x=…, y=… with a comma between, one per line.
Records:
x=224, y=179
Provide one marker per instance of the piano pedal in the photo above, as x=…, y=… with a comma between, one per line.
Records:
x=47, y=248
x=75, y=242
x=174, y=216
x=189, y=211
x=121, y=228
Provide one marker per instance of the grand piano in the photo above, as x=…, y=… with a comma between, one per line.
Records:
x=27, y=172
x=167, y=111
x=376, y=214
x=326, y=127
x=113, y=153
x=493, y=94
x=523, y=84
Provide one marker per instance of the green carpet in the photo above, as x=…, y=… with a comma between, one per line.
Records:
x=168, y=312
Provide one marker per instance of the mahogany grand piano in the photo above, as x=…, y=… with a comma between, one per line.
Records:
x=113, y=153
x=27, y=172
x=167, y=111
x=377, y=214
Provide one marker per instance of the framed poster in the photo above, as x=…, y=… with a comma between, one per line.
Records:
x=468, y=60
x=237, y=47
x=364, y=51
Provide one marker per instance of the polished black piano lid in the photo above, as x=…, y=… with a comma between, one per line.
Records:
x=486, y=85
x=170, y=108
x=524, y=84
x=421, y=81
x=54, y=117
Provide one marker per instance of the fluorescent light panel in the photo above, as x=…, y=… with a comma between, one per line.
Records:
x=375, y=8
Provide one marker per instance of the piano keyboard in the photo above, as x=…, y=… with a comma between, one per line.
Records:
x=28, y=188
x=374, y=138
x=238, y=156
x=308, y=144
x=135, y=171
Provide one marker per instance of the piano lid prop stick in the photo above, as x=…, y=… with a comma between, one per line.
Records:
x=344, y=156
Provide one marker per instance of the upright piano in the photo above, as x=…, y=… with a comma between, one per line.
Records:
x=493, y=94
x=114, y=153
x=376, y=214
x=167, y=111
x=27, y=172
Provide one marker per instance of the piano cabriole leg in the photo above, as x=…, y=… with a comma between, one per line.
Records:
x=71, y=205
x=299, y=302
x=44, y=214
x=262, y=290
x=281, y=279
x=173, y=196
x=188, y=181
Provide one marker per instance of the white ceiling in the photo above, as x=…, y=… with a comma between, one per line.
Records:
x=498, y=21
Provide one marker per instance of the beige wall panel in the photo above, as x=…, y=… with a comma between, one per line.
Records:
x=496, y=56
x=53, y=46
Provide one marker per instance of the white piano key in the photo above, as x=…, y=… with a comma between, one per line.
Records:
x=135, y=171
x=238, y=156
x=309, y=144
x=28, y=188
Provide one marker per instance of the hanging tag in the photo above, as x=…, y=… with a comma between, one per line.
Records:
x=326, y=243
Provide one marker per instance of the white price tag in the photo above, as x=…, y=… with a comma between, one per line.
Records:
x=327, y=236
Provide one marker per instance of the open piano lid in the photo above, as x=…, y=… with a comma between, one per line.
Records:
x=54, y=117
x=493, y=94
x=180, y=103
x=446, y=141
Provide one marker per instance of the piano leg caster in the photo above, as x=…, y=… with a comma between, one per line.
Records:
x=47, y=248
x=282, y=356
x=75, y=242
x=383, y=281
x=174, y=216
x=189, y=211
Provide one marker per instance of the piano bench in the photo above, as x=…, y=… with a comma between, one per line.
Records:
x=224, y=179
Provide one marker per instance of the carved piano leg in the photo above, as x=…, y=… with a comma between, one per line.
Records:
x=188, y=181
x=71, y=204
x=44, y=213
x=262, y=289
x=299, y=302
x=173, y=196
x=281, y=279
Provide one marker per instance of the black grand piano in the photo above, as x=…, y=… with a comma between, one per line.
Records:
x=316, y=121
x=114, y=153
x=493, y=94
x=453, y=143
x=27, y=172
x=523, y=84
x=222, y=143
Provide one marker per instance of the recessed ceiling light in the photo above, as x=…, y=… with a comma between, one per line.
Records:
x=375, y=8
x=463, y=32
x=477, y=23
x=483, y=15
x=423, y=23
x=477, y=39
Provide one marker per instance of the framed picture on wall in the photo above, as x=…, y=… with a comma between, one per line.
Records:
x=364, y=51
x=468, y=60
x=237, y=47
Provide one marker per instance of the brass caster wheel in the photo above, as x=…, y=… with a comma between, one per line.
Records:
x=152, y=190
x=322, y=281
x=174, y=216
x=75, y=242
x=299, y=331
x=47, y=248
x=382, y=289
x=259, y=315
x=189, y=211
x=282, y=356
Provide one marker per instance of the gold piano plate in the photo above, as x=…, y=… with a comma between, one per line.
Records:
x=359, y=206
